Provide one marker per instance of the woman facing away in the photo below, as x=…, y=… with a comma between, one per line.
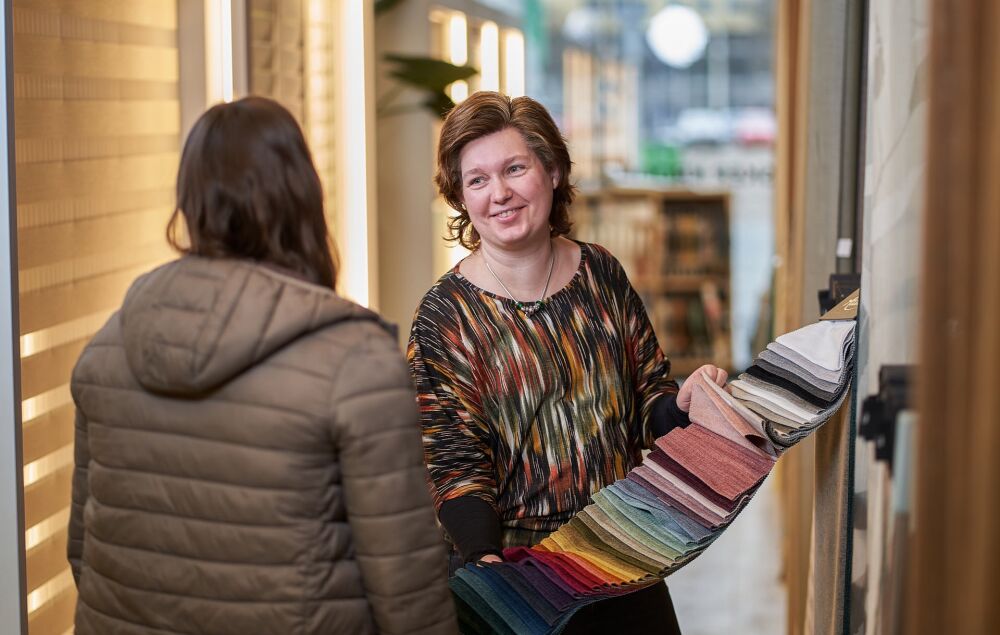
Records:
x=248, y=458
x=539, y=378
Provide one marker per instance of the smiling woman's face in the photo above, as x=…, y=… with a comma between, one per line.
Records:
x=507, y=191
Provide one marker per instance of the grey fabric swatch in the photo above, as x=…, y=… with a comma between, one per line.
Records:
x=781, y=392
x=813, y=369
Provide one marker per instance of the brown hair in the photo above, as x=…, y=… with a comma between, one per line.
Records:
x=247, y=188
x=485, y=113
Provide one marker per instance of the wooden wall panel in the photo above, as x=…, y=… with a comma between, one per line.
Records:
x=45, y=497
x=55, y=614
x=99, y=123
x=96, y=131
x=47, y=559
x=154, y=13
x=277, y=52
x=955, y=557
x=319, y=77
x=796, y=472
x=48, y=369
x=47, y=433
x=82, y=178
x=52, y=306
x=292, y=60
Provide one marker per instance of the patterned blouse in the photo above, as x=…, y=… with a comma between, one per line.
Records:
x=533, y=414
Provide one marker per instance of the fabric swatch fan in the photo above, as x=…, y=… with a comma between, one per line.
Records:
x=687, y=490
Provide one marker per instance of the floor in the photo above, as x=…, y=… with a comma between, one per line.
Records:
x=735, y=585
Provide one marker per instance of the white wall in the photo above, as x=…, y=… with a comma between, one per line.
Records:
x=895, y=174
x=12, y=606
x=405, y=169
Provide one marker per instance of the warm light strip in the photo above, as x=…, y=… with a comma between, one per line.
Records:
x=489, y=56
x=458, y=53
x=219, y=50
x=226, y=36
x=48, y=464
x=458, y=39
x=514, y=63
x=49, y=590
x=318, y=11
x=44, y=530
x=45, y=402
x=44, y=339
x=353, y=143
x=459, y=91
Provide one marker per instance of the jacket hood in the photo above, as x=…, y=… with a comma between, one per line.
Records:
x=193, y=324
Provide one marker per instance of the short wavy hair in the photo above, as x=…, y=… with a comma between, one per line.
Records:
x=485, y=113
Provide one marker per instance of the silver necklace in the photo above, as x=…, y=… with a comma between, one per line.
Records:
x=530, y=308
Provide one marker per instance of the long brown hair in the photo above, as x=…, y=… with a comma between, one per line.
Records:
x=485, y=113
x=247, y=188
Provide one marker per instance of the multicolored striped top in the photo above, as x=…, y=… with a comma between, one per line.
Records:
x=533, y=414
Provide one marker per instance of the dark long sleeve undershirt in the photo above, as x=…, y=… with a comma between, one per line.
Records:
x=474, y=525
x=667, y=415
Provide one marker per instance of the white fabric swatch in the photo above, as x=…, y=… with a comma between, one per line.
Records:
x=822, y=343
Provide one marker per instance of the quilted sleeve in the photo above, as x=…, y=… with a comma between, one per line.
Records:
x=399, y=547
x=81, y=491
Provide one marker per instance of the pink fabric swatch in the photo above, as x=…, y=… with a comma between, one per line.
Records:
x=724, y=465
x=706, y=411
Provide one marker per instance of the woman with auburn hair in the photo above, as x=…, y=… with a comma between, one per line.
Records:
x=539, y=378
x=247, y=452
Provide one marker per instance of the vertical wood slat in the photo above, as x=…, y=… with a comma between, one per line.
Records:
x=97, y=124
x=319, y=80
x=955, y=554
x=795, y=472
x=277, y=52
x=291, y=60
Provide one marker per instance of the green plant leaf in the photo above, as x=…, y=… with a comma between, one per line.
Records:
x=438, y=103
x=427, y=73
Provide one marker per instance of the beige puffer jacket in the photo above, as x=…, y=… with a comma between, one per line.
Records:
x=248, y=460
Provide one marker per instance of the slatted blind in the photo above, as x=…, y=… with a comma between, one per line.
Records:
x=291, y=60
x=97, y=123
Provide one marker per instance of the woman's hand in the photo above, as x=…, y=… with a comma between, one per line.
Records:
x=491, y=558
x=712, y=373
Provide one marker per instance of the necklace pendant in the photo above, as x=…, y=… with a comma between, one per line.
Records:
x=531, y=309
x=527, y=309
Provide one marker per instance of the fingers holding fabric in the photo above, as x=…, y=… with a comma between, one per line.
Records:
x=711, y=372
x=714, y=374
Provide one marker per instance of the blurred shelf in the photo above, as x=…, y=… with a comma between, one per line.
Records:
x=674, y=246
x=684, y=366
x=675, y=282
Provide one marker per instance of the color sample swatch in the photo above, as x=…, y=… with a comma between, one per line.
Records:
x=667, y=510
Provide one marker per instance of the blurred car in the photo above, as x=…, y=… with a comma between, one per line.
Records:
x=755, y=126
x=703, y=126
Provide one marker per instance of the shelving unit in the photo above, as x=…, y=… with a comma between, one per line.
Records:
x=674, y=245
